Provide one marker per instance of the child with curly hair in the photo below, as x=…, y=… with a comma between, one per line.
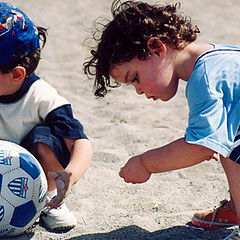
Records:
x=35, y=116
x=152, y=47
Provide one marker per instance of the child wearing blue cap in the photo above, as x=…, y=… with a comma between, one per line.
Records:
x=35, y=116
x=152, y=47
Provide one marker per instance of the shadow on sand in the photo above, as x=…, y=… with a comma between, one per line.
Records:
x=187, y=232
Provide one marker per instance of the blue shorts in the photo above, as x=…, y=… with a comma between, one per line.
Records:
x=235, y=152
x=43, y=134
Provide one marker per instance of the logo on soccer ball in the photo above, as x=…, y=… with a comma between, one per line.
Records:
x=5, y=158
x=1, y=213
x=19, y=187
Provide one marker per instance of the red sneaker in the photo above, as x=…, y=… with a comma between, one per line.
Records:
x=220, y=217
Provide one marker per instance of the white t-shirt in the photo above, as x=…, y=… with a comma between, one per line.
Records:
x=19, y=114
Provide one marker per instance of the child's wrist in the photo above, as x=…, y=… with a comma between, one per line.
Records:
x=143, y=159
x=72, y=178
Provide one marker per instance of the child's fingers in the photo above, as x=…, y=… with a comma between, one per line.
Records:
x=61, y=189
x=57, y=177
x=52, y=175
x=121, y=173
x=216, y=156
x=60, y=184
x=55, y=202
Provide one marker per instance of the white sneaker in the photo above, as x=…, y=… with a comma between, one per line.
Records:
x=58, y=219
x=235, y=235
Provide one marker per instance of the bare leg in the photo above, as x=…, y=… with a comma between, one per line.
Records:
x=232, y=205
x=232, y=171
x=49, y=163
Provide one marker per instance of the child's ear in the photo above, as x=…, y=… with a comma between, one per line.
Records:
x=19, y=74
x=156, y=46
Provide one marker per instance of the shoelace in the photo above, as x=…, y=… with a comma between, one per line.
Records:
x=47, y=209
x=235, y=235
x=222, y=203
x=213, y=215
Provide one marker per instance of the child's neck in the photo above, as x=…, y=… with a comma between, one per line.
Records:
x=188, y=57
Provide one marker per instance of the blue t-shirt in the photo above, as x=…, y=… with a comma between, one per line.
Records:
x=213, y=94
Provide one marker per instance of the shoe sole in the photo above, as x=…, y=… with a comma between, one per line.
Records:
x=60, y=228
x=57, y=229
x=206, y=225
x=63, y=229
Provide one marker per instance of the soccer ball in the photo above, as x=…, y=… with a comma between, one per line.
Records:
x=23, y=188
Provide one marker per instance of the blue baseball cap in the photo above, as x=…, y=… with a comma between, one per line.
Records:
x=18, y=35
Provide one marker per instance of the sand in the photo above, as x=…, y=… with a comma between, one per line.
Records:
x=124, y=124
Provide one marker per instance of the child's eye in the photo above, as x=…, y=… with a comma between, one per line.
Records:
x=135, y=79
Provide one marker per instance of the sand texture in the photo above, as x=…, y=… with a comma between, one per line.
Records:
x=124, y=124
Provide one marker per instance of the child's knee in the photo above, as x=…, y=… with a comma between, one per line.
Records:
x=49, y=157
x=41, y=151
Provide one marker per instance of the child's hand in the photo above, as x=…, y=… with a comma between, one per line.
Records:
x=134, y=171
x=216, y=156
x=62, y=180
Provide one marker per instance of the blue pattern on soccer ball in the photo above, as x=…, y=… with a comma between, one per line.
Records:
x=28, y=164
x=1, y=213
x=19, y=187
x=0, y=182
x=42, y=193
x=28, y=210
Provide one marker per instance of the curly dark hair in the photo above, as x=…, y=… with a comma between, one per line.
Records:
x=126, y=37
x=30, y=61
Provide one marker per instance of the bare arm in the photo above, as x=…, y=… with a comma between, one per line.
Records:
x=81, y=156
x=175, y=155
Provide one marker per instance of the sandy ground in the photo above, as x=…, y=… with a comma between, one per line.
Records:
x=124, y=124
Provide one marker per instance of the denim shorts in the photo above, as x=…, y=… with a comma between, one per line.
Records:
x=43, y=134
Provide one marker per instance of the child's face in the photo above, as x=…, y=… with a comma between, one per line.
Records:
x=11, y=82
x=6, y=84
x=153, y=76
